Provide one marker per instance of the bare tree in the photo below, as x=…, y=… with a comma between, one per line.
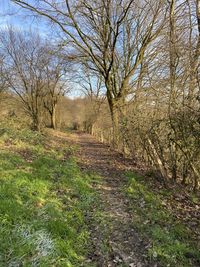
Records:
x=93, y=88
x=3, y=81
x=27, y=60
x=56, y=79
x=194, y=53
x=113, y=36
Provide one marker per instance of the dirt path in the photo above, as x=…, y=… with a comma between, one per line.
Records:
x=115, y=241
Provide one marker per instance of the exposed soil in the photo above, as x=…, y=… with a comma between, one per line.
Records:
x=115, y=242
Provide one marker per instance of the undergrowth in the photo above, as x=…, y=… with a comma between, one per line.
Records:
x=171, y=242
x=43, y=200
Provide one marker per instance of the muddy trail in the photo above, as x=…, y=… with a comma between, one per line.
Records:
x=115, y=241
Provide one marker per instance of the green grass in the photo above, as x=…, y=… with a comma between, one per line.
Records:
x=172, y=242
x=43, y=201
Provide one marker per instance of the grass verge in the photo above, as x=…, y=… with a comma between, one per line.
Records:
x=44, y=198
x=172, y=243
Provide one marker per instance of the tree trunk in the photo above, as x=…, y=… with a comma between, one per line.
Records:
x=115, y=125
x=53, y=117
x=114, y=106
x=157, y=160
x=196, y=176
x=173, y=56
x=36, y=124
x=173, y=158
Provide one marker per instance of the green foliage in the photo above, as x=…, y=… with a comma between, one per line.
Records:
x=43, y=200
x=171, y=241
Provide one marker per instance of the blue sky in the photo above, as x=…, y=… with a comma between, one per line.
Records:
x=11, y=14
